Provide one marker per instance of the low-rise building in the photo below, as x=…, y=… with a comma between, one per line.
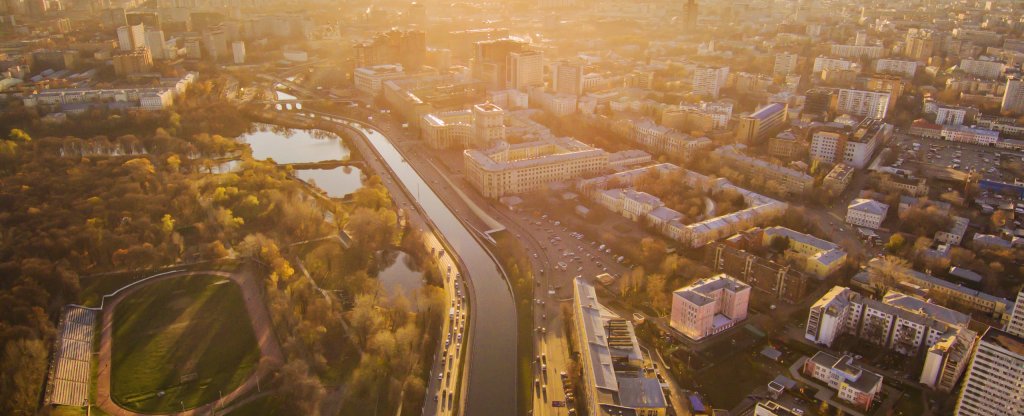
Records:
x=480, y=126
x=853, y=146
x=955, y=234
x=838, y=178
x=866, y=213
x=904, y=184
x=822, y=257
x=709, y=306
x=784, y=145
x=616, y=375
x=506, y=169
x=855, y=385
x=971, y=135
x=791, y=181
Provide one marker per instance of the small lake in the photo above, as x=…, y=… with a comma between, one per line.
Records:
x=294, y=145
x=399, y=275
x=336, y=182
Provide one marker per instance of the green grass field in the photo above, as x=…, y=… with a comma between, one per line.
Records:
x=180, y=343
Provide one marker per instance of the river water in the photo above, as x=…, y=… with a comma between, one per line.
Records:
x=492, y=369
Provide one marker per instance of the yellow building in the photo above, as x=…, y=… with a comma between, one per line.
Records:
x=506, y=169
x=823, y=257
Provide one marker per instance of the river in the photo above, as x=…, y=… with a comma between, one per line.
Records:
x=493, y=340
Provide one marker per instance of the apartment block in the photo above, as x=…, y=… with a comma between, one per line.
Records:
x=863, y=103
x=709, y=306
x=708, y=81
x=992, y=386
x=896, y=67
x=855, y=147
x=1016, y=324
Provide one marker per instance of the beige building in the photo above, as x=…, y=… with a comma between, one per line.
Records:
x=506, y=169
x=993, y=383
x=838, y=178
x=138, y=61
x=709, y=306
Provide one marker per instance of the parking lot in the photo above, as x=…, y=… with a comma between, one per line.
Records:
x=960, y=156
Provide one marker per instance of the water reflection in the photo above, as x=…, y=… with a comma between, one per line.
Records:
x=400, y=276
x=336, y=182
x=294, y=145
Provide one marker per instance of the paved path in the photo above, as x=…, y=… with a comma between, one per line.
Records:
x=270, y=352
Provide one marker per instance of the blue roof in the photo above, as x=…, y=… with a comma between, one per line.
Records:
x=695, y=403
x=768, y=111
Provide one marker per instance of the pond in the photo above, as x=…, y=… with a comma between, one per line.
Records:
x=400, y=275
x=294, y=145
x=336, y=182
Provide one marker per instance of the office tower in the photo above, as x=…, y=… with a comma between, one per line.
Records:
x=131, y=37
x=150, y=20
x=1013, y=97
x=238, y=51
x=490, y=62
x=567, y=78
x=156, y=43
x=193, y=47
x=785, y=64
x=1016, y=325
x=995, y=378
x=525, y=69
x=408, y=48
x=138, y=61
x=215, y=40
x=690, y=13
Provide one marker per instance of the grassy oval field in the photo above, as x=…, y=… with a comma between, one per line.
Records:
x=180, y=343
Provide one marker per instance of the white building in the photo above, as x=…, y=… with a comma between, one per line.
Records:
x=947, y=115
x=955, y=235
x=896, y=67
x=371, y=79
x=785, y=63
x=1013, y=97
x=858, y=51
x=964, y=134
x=506, y=169
x=866, y=213
x=823, y=63
x=992, y=386
x=982, y=68
x=480, y=126
x=863, y=103
x=1016, y=324
x=238, y=52
x=854, y=147
x=131, y=37
x=709, y=306
x=854, y=384
x=708, y=81
x=567, y=78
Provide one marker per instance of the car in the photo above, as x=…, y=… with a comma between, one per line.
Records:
x=440, y=376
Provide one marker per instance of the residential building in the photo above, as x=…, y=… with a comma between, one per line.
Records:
x=131, y=37
x=823, y=63
x=156, y=43
x=858, y=51
x=855, y=147
x=838, y=178
x=866, y=213
x=785, y=63
x=1016, y=324
x=215, y=43
x=987, y=69
x=478, y=127
x=762, y=123
x=855, y=385
x=822, y=257
x=238, y=52
x=370, y=80
x=947, y=115
x=788, y=180
x=946, y=360
x=506, y=169
x=891, y=84
x=615, y=373
x=1013, y=96
x=771, y=408
x=919, y=45
x=863, y=103
x=896, y=67
x=526, y=69
x=992, y=386
x=707, y=81
x=709, y=306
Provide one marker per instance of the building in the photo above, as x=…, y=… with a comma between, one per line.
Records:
x=955, y=234
x=567, y=78
x=215, y=43
x=863, y=103
x=776, y=280
x=838, y=178
x=946, y=360
x=506, y=169
x=857, y=51
x=823, y=63
x=982, y=68
x=708, y=81
x=905, y=184
x=822, y=257
x=957, y=296
x=616, y=376
x=526, y=69
x=491, y=61
x=971, y=135
x=946, y=115
x=156, y=43
x=771, y=408
x=407, y=48
x=709, y=306
x=1013, y=96
x=762, y=123
x=784, y=145
x=131, y=37
x=77, y=100
x=480, y=127
x=785, y=64
x=855, y=147
x=789, y=180
x=896, y=67
x=818, y=102
x=891, y=84
x=919, y=45
x=238, y=52
x=1016, y=324
x=370, y=80
x=134, y=62
x=866, y=213
x=854, y=384
x=993, y=382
